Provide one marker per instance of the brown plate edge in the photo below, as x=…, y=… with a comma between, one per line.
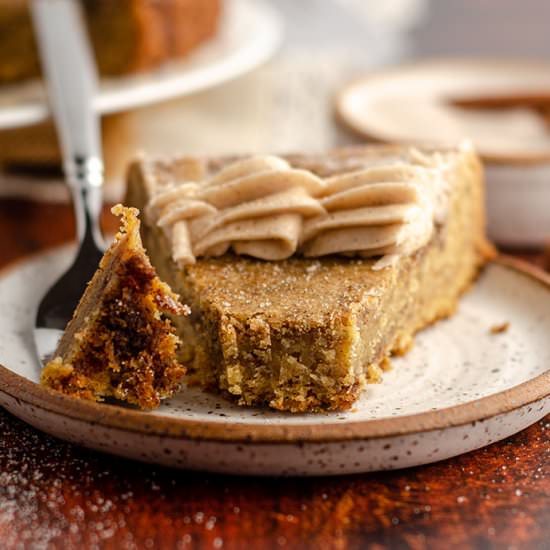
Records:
x=377, y=137
x=112, y=416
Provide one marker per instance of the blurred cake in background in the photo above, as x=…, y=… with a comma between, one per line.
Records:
x=34, y=151
x=127, y=36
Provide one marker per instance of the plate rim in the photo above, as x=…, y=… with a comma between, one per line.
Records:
x=111, y=416
x=363, y=130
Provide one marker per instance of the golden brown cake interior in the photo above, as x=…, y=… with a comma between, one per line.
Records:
x=307, y=334
x=119, y=344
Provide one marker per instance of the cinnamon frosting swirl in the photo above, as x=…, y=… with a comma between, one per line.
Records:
x=263, y=207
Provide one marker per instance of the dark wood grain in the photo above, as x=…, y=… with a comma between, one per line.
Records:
x=56, y=495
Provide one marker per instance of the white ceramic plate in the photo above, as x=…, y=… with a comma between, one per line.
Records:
x=250, y=32
x=460, y=388
x=410, y=104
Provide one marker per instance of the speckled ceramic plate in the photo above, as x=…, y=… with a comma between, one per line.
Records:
x=461, y=387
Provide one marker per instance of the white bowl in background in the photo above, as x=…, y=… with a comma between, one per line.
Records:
x=518, y=203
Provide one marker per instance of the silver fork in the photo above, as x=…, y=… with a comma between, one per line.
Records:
x=70, y=75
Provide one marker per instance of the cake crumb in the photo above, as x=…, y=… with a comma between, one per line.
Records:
x=374, y=374
x=385, y=364
x=500, y=328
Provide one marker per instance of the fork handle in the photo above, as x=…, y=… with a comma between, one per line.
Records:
x=71, y=80
x=85, y=178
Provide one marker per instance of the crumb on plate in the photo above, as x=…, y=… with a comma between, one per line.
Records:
x=500, y=328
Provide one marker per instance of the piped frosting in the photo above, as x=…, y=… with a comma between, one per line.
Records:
x=263, y=207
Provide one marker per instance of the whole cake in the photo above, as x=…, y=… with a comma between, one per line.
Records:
x=119, y=343
x=127, y=35
x=304, y=273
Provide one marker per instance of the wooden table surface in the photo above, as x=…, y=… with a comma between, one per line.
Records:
x=57, y=495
